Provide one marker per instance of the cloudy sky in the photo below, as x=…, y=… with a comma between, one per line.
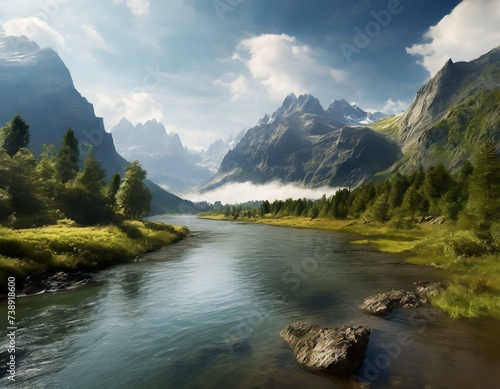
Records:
x=210, y=68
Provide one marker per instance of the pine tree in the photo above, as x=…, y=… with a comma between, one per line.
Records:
x=112, y=188
x=68, y=157
x=484, y=190
x=380, y=209
x=398, y=189
x=437, y=182
x=265, y=208
x=133, y=197
x=15, y=135
x=92, y=176
x=83, y=198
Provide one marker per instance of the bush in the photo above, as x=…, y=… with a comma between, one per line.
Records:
x=400, y=223
x=465, y=244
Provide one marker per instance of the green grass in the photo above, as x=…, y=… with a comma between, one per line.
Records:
x=68, y=247
x=388, y=126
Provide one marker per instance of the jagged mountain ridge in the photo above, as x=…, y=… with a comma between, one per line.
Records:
x=163, y=155
x=36, y=84
x=212, y=157
x=300, y=143
x=340, y=111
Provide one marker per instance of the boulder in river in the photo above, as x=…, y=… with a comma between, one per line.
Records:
x=384, y=303
x=336, y=351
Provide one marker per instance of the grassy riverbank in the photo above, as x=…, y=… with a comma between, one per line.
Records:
x=66, y=247
x=474, y=279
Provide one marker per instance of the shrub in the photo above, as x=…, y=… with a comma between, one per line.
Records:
x=465, y=244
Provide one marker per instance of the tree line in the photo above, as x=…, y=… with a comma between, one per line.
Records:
x=471, y=196
x=57, y=184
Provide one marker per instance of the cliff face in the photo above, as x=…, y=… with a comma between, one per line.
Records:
x=454, y=83
x=451, y=115
x=36, y=84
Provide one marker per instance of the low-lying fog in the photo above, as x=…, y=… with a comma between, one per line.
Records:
x=234, y=193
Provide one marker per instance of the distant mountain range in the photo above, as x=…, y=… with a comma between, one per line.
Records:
x=300, y=142
x=176, y=168
x=345, y=146
x=163, y=155
x=36, y=84
x=168, y=162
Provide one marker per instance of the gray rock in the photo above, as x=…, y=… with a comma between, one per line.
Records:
x=384, y=303
x=336, y=351
x=429, y=289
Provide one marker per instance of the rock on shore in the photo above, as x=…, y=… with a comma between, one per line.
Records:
x=384, y=303
x=336, y=351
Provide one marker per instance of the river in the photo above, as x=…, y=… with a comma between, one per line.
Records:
x=207, y=312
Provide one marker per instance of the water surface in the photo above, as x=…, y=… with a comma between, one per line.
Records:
x=207, y=312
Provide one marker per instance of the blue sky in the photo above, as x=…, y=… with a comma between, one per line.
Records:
x=210, y=68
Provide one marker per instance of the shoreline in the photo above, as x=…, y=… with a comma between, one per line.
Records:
x=68, y=248
x=473, y=282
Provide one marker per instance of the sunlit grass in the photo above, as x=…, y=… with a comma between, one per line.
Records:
x=63, y=247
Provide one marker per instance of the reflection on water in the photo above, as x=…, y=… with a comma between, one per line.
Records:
x=207, y=313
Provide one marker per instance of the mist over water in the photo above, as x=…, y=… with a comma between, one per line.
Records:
x=234, y=193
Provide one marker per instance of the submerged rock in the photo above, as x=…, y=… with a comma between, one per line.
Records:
x=337, y=351
x=384, y=303
x=57, y=282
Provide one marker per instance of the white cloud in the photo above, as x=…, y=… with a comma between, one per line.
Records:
x=394, y=107
x=469, y=31
x=243, y=192
x=138, y=107
x=137, y=7
x=338, y=75
x=35, y=29
x=238, y=86
x=283, y=65
x=94, y=39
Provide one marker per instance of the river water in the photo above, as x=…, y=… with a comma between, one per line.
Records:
x=207, y=312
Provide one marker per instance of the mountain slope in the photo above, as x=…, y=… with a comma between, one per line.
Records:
x=212, y=157
x=451, y=115
x=299, y=143
x=36, y=84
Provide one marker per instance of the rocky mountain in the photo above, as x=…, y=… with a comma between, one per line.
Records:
x=35, y=83
x=340, y=111
x=351, y=114
x=302, y=143
x=212, y=157
x=163, y=155
x=451, y=115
